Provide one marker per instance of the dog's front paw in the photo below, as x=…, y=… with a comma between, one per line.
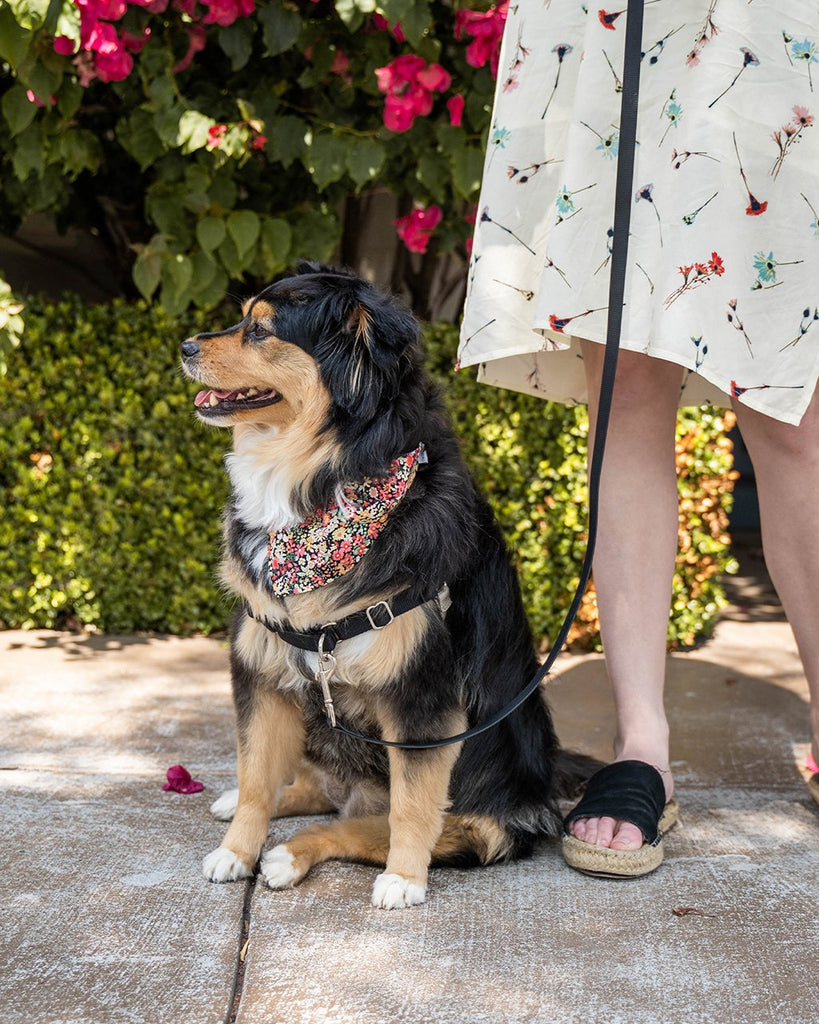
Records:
x=393, y=892
x=224, y=807
x=224, y=866
x=278, y=868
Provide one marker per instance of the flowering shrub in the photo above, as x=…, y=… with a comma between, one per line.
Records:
x=216, y=141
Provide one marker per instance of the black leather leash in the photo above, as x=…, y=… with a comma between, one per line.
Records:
x=617, y=281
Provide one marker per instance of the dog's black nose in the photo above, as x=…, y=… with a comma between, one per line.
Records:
x=189, y=348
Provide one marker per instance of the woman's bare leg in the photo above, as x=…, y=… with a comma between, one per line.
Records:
x=786, y=466
x=634, y=562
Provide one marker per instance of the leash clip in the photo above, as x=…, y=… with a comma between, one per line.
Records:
x=324, y=673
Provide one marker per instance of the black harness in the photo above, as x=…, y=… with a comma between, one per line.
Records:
x=323, y=639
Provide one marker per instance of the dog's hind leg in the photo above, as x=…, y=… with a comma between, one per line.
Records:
x=304, y=795
x=472, y=839
x=365, y=839
x=271, y=740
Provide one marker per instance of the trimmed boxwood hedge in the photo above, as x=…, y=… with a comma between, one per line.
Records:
x=112, y=490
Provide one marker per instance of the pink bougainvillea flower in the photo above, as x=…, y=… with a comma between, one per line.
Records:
x=409, y=83
x=225, y=12
x=32, y=97
x=381, y=23
x=197, y=38
x=86, y=72
x=455, y=106
x=64, y=45
x=135, y=44
x=434, y=78
x=180, y=781
x=215, y=133
x=416, y=228
x=486, y=29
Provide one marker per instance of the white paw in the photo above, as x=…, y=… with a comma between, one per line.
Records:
x=224, y=866
x=392, y=892
x=224, y=807
x=278, y=868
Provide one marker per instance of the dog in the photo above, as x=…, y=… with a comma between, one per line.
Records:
x=351, y=504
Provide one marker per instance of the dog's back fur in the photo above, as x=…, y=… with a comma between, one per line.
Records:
x=338, y=392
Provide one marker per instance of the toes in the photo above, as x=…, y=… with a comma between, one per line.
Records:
x=224, y=866
x=607, y=832
x=278, y=868
x=626, y=837
x=224, y=807
x=393, y=892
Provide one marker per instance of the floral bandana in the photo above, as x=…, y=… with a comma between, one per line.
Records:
x=332, y=541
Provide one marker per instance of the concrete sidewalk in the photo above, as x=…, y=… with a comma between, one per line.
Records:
x=106, y=917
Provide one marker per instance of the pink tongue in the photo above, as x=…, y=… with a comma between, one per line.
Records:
x=203, y=398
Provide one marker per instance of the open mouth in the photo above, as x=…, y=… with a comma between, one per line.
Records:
x=218, y=402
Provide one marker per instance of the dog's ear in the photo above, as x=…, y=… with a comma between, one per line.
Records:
x=360, y=324
x=381, y=336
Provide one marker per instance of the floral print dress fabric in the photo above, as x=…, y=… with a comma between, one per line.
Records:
x=723, y=272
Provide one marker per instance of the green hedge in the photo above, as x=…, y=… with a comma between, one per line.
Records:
x=112, y=490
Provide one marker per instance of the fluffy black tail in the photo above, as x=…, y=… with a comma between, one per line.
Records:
x=572, y=771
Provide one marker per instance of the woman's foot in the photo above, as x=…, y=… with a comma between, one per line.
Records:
x=612, y=833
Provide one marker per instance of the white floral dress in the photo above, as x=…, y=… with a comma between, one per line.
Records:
x=723, y=274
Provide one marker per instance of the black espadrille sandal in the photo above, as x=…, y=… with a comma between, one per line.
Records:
x=630, y=791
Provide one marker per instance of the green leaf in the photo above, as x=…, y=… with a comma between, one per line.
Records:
x=467, y=169
x=204, y=270
x=14, y=40
x=43, y=82
x=280, y=27
x=29, y=155
x=325, y=159
x=316, y=233
x=352, y=12
x=414, y=15
x=285, y=139
x=243, y=227
x=80, y=151
x=210, y=233
x=433, y=172
x=147, y=271
x=192, y=133
x=229, y=256
x=276, y=241
x=137, y=137
x=177, y=273
x=365, y=158
x=17, y=109
x=237, y=42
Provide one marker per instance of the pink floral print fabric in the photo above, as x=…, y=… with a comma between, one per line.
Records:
x=723, y=274
x=333, y=540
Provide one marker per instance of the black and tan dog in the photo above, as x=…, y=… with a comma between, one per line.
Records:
x=375, y=586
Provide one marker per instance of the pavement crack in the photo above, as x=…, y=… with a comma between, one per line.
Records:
x=241, y=953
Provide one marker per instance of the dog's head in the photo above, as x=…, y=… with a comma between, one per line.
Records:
x=322, y=343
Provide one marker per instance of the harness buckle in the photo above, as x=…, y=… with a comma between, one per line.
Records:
x=443, y=600
x=369, y=612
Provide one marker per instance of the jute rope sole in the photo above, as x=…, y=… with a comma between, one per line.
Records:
x=813, y=786
x=602, y=862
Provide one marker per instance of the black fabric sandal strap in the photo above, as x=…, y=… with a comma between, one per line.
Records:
x=630, y=791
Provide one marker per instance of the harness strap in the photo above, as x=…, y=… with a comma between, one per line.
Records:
x=323, y=639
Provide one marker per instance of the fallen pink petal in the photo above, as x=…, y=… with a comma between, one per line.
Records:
x=180, y=781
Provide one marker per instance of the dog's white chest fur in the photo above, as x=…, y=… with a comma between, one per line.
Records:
x=262, y=486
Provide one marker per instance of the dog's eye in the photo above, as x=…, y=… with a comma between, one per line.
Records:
x=256, y=332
